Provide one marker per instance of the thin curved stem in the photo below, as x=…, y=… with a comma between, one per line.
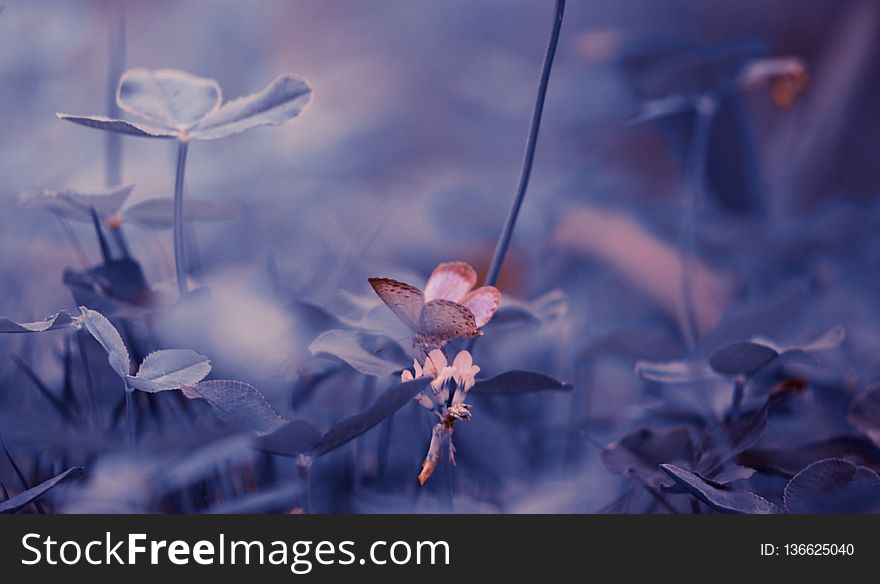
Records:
x=112, y=140
x=529, y=156
x=116, y=65
x=179, y=255
x=704, y=116
x=129, y=413
x=87, y=374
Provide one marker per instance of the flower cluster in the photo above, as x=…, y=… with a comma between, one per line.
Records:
x=449, y=389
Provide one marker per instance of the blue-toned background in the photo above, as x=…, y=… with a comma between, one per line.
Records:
x=408, y=156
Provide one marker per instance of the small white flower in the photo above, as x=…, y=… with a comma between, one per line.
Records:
x=425, y=401
x=464, y=371
x=459, y=411
x=416, y=373
x=435, y=363
x=460, y=375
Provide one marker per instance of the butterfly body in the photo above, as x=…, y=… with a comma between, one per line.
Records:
x=448, y=309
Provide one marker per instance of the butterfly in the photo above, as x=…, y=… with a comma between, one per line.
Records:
x=448, y=309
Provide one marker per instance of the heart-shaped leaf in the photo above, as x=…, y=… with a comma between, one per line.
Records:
x=158, y=213
x=353, y=426
x=720, y=497
x=170, y=369
x=238, y=404
x=357, y=348
x=295, y=437
x=282, y=100
x=56, y=321
x=107, y=335
x=864, y=413
x=833, y=485
x=118, y=126
x=19, y=501
x=171, y=98
x=740, y=358
x=78, y=205
x=513, y=382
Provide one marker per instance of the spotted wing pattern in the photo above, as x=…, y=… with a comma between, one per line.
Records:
x=404, y=300
x=443, y=320
x=450, y=281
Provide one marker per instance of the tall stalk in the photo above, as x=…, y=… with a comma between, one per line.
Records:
x=179, y=256
x=87, y=374
x=529, y=156
x=696, y=169
x=129, y=413
x=112, y=140
x=116, y=65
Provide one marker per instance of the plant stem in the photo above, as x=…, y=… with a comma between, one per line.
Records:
x=528, y=159
x=112, y=140
x=704, y=115
x=74, y=240
x=179, y=256
x=304, y=467
x=87, y=374
x=448, y=494
x=116, y=64
x=129, y=413
x=529, y=156
x=736, y=401
x=106, y=255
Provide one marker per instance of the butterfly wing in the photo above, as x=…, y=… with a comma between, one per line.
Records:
x=405, y=301
x=482, y=302
x=442, y=320
x=450, y=281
